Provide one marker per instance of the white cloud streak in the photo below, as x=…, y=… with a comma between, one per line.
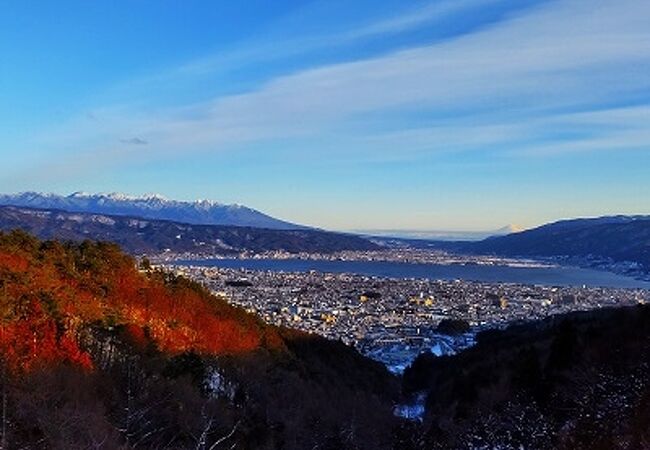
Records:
x=417, y=18
x=259, y=52
x=574, y=54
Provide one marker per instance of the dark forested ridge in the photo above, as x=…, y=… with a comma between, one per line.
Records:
x=617, y=239
x=579, y=381
x=621, y=239
x=139, y=236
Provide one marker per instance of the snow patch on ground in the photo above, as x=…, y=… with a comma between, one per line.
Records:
x=398, y=356
x=217, y=384
x=413, y=409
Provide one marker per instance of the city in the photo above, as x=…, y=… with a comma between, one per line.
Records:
x=393, y=320
x=389, y=253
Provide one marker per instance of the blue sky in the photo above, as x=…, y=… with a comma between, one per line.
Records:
x=438, y=115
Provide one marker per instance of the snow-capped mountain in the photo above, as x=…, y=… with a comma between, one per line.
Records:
x=508, y=229
x=151, y=206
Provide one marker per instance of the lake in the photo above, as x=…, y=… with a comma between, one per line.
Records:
x=549, y=276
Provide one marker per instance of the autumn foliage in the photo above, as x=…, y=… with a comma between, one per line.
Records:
x=52, y=293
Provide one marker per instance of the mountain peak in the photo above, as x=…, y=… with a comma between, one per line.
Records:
x=150, y=206
x=115, y=196
x=77, y=194
x=508, y=229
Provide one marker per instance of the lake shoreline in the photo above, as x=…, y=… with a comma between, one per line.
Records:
x=533, y=274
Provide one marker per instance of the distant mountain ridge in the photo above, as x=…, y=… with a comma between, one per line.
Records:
x=601, y=240
x=150, y=236
x=151, y=206
x=441, y=235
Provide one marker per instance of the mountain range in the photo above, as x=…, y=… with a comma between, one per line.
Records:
x=153, y=206
x=623, y=240
x=153, y=224
x=139, y=235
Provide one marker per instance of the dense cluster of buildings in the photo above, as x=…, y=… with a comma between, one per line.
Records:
x=400, y=255
x=393, y=320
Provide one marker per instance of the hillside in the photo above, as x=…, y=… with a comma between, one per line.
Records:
x=144, y=236
x=96, y=354
x=580, y=381
x=201, y=212
x=598, y=241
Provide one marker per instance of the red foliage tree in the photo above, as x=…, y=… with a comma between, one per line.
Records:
x=49, y=292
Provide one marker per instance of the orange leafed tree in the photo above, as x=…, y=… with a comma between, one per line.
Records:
x=51, y=292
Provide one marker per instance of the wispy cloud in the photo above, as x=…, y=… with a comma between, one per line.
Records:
x=557, y=65
x=258, y=52
x=134, y=141
x=416, y=18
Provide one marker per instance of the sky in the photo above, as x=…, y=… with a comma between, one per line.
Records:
x=347, y=115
